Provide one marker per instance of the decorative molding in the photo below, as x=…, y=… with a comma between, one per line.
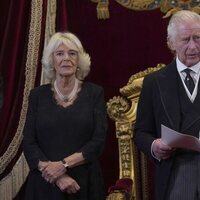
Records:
x=139, y=4
x=172, y=6
x=169, y=7
x=116, y=107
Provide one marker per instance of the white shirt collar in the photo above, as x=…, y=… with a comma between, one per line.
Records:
x=195, y=76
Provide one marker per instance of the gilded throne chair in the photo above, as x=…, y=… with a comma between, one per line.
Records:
x=133, y=182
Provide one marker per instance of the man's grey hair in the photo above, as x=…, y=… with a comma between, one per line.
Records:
x=183, y=16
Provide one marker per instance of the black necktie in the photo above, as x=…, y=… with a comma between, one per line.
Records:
x=189, y=82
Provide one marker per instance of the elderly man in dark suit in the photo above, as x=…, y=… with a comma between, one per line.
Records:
x=171, y=97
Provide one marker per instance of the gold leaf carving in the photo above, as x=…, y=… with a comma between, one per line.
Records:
x=116, y=107
x=135, y=4
x=166, y=6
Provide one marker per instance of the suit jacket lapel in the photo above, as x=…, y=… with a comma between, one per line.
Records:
x=168, y=87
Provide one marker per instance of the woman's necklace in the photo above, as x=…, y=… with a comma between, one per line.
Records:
x=66, y=98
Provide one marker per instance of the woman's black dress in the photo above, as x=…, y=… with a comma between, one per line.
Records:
x=53, y=132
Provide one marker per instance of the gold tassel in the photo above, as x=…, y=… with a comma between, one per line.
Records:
x=102, y=9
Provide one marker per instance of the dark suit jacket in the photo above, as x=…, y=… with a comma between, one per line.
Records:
x=159, y=104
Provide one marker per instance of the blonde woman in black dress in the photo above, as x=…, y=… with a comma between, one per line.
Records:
x=65, y=127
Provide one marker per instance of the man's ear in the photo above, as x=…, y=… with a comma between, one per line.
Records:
x=170, y=43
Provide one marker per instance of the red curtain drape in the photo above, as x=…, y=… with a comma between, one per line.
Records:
x=14, y=32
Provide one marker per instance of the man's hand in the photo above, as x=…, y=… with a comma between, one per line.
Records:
x=67, y=184
x=161, y=150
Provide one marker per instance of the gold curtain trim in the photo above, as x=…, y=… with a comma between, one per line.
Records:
x=11, y=184
x=49, y=30
x=31, y=68
x=50, y=20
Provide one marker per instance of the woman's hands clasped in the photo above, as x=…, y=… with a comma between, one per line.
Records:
x=67, y=184
x=55, y=172
x=51, y=171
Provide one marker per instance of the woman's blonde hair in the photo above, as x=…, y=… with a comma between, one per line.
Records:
x=71, y=41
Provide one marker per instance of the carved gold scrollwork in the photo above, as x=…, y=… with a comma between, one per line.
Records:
x=124, y=133
x=172, y=6
x=116, y=107
x=124, y=129
x=139, y=4
x=166, y=6
x=126, y=161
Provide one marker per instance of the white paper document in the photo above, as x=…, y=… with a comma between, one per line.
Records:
x=179, y=140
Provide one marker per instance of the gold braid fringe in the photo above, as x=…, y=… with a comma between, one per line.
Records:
x=49, y=30
x=10, y=185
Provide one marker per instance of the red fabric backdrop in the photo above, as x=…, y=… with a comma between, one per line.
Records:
x=13, y=39
x=14, y=31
